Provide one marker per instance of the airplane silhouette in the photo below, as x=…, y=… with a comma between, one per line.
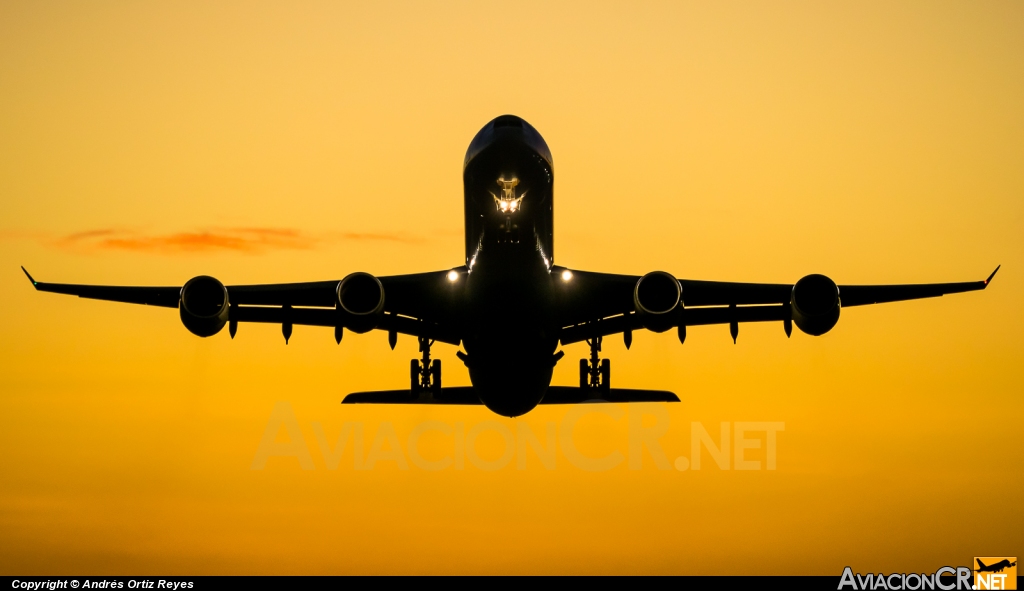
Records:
x=508, y=304
x=994, y=568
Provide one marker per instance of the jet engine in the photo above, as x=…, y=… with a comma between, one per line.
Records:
x=815, y=304
x=656, y=297
x=203, y=306
x=361, y=301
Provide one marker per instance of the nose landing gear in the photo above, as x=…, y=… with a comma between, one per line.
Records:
x=424, y=374
x=595, y=372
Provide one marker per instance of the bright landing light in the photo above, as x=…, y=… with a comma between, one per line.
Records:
x=453, y=275
x=566, y=275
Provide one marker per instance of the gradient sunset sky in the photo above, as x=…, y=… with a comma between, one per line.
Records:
x=146, y=143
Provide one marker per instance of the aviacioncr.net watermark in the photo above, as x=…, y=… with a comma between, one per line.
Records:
x=726, y=446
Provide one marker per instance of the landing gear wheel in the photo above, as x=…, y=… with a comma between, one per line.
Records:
x=424, y=373
x=414, y=375
x=435, y=375
x=595, y=372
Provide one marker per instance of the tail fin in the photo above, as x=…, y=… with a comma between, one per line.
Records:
x=981, y=564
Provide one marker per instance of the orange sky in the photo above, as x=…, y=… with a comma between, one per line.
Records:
x=265, y=142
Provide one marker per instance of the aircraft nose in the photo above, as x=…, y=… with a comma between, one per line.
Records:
x=507, y=128
x=507, y=121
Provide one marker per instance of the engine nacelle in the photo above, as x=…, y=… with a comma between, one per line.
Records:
x=815, y=304
x=360, y=301
x=204, y=306
x=656, y=298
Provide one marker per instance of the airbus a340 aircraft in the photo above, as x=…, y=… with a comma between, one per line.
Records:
x=509, y=305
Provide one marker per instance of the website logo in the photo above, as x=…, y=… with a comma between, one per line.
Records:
x=995, y=572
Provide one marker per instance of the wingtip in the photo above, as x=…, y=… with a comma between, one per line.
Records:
x=34, y=283
x=989, y=280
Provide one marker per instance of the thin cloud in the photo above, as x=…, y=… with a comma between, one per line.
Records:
x=249, y=240
x=246, y=240
x=88, y=235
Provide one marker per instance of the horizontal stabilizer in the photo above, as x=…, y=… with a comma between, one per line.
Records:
x=453, y=395
x=466, y=395
x=572, y=395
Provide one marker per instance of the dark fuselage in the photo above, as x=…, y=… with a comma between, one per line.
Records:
x=509, y=336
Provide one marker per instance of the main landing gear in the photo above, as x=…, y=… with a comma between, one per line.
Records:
x=424, y=374
x=595, y=372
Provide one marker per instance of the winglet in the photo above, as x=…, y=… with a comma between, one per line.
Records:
x=987, y=281
x=34, y=284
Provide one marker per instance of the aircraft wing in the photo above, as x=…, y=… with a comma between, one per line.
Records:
x=166, y=297
x=465, y=395
x=600, y=304
x=591, y=305
x=716, y=293
x=418, y=304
